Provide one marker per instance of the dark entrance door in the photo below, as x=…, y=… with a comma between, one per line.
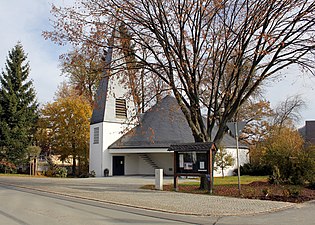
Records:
x=118, y=165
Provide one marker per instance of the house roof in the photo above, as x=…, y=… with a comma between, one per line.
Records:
x=162, y=126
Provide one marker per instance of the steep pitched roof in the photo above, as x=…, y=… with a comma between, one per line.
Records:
x=101, y=94
x=100, y=102
x=161, y=126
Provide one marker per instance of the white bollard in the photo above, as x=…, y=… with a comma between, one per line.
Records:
x=159, y=179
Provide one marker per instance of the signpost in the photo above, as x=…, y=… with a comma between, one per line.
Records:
x=236, y=129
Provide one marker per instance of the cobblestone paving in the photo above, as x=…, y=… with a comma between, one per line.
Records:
x=126, y=191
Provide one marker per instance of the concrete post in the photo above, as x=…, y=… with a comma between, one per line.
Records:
x=159, y=179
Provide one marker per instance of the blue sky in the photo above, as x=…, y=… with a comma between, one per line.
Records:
x=24, y=20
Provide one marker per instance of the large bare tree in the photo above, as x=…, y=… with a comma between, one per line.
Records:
x=212, y=54
x=84, y=69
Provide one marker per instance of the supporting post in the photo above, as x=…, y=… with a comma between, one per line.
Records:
x=175, y=182
x=238, y=160
x=211, y=171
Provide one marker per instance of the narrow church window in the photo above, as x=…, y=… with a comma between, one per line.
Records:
x=96, y=137
x=121, y=109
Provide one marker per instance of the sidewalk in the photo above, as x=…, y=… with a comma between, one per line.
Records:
x=126, y=191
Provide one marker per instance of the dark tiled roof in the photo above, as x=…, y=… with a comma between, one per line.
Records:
x=101, y=94
x=162, y=126
x=205, y=146
x=100, y=102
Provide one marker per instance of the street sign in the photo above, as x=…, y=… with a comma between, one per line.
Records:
x=239, y=125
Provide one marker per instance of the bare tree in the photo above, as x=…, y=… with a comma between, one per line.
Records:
x=288, y=111
x=84, y=68
x=212, y=54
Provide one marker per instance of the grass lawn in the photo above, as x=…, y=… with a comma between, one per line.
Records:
x=14, y=175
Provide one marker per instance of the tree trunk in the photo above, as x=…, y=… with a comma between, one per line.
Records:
x=74, y=165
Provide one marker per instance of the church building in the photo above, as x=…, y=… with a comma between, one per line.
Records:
x=119, y=145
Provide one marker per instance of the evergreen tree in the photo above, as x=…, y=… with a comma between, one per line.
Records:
x=19, y=108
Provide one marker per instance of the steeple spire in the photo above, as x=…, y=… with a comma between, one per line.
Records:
x=98, y=114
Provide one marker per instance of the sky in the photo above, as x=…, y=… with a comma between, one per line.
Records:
x=24, y=21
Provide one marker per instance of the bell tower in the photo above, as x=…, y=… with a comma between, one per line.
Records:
x=112, y=115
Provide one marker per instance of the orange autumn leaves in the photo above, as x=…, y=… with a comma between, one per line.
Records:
x=66, y=121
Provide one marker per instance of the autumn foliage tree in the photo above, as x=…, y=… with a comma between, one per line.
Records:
x=284, y=152
x=66, y=122
x=192, y=45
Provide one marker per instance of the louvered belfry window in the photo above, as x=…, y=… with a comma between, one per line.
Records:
x=96, y=139
x=121, y=109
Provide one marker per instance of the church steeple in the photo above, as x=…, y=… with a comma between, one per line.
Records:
x=98, y=115
x=112, y=115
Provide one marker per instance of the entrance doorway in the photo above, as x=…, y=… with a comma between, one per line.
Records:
x=118, y=165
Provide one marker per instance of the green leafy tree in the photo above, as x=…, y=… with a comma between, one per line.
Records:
x=18, y=112
x=223, y=160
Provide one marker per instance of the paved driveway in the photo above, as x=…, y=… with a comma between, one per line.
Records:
x=126, y=191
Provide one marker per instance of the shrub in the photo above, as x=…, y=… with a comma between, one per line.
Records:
x=7, y=167
x=61, y=172
x=275, y=178
x=254, y=170
x=294, y=192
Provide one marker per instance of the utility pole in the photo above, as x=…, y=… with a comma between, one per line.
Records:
x=236, y=128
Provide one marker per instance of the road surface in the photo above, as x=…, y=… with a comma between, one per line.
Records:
x=26, y=207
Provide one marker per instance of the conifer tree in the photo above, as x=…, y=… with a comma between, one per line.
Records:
x=19, y=107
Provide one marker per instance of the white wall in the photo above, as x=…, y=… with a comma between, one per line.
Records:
x=243, y=157
x=165, y=161
x=96, y=154
x=135, y=165
x=131, y=164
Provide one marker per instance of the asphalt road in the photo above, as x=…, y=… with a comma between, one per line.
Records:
x=27, y=207
x=86, y=201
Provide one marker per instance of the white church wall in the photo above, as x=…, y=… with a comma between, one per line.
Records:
x=243, y=157
x=164, y=161
x=96, y=154
x=144, y=168
x=111, y=132
x=118, y=91
x=131, y=164
x=100, y=158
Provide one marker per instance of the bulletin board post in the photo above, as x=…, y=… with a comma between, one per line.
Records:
x=194, y=159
